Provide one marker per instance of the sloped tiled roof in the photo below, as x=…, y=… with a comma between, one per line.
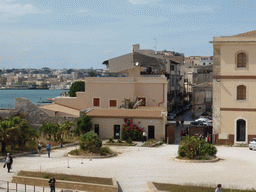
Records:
x=61, y=110
x=126, y=113
x=247, y=34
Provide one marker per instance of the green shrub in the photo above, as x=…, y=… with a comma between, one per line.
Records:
x=111, y=139
x=129, y=140
x=192, y=147
x=120, y=141
x=90, y=141
x=104, y=150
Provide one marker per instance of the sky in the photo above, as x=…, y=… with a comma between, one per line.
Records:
x=82, y=34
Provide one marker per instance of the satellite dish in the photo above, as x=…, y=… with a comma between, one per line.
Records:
x=137, y=64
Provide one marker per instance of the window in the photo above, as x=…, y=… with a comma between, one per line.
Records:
x=241, y=60
x=96, y=102
x=172, y=67
x=240, y=130
x=143, y=101
x=241, y=92
x=112, y=103
x=97, y=129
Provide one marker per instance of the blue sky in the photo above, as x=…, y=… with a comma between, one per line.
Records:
x=83, y=33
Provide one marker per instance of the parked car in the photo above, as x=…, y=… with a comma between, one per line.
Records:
x=209, y=123
x=174, y=114
x=196, y=123
x=205, y=114
x=207, y=117
x=252, y=144
x=203, y=119
x=170, y=116
x=177, y=112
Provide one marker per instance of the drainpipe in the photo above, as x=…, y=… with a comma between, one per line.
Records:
x=163, y=97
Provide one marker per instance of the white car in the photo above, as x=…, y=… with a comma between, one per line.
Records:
x=252, y=144
x=203, y=119
x=170, y=116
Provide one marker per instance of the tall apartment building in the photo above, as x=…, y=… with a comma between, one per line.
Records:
x=234, y=85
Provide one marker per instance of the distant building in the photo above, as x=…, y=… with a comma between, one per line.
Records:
x=206, y=60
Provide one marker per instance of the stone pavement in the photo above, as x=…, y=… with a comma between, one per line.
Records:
x=135, y=166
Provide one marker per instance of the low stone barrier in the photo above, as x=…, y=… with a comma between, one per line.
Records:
x=152, y=187
x=196, y=161
x=66, y=184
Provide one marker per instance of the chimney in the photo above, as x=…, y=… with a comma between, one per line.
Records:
x=135, y=47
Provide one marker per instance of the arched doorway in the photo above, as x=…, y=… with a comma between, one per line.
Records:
x=240, y=130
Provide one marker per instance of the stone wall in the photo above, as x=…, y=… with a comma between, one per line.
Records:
x=7, y=113
x=35, y=115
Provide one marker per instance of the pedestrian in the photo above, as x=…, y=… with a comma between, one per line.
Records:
x=181, y=134
x=182, y=121
x=48, y=147
x=177, y=122
x=218, y=188
x=8, y=162
x=39, y=148
x=207, y=139
x=144, y=136
x=52, y=184
x=200, y=136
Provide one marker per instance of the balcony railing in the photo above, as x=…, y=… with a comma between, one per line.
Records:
x=208, y=100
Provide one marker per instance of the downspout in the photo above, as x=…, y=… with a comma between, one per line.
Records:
x=163, y=97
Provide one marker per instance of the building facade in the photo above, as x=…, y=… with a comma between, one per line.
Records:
x=234, y=84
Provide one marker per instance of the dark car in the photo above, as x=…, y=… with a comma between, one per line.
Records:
x=177, y=112
x=204, y=114
x=196, y=123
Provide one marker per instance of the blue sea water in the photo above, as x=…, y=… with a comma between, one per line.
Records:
x=35, y=95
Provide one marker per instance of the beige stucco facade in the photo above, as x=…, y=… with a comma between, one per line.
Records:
x=106, y=126
x=227, y=109
x=153, y=89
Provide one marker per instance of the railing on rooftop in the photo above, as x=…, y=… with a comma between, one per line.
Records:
x=112, y=74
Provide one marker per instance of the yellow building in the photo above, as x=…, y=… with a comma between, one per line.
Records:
x=234, y=85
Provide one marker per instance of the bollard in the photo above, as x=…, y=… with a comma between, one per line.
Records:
x=82, y=160
x=91, y=157
x=34, y=188
x=40, y=167
x=167, y=140
x=7, y=186
x=68, y=163
x=25, y=187
x=16, y=187
x=138, y=148
x=43, y=189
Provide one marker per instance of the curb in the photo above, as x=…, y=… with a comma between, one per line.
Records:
x=35, y=151
x=196, y=161
x=94, y=157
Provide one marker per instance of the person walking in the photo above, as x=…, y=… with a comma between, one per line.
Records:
x=207, y=139
x=48, y=147
x=177, y=122
x=52, y=182
x=39, y=148
x=8, y=162
x=182, y=121
x=144, y=134
x=218, y=188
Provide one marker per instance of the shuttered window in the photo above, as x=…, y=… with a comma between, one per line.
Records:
x=241, y=60
x=96, y=102
x=241, y=92
x=112, y=103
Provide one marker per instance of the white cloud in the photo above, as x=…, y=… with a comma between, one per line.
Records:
x=82, y=11
x=14, y=10
x=140, y=1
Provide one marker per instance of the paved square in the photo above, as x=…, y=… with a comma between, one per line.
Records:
x=135, y=166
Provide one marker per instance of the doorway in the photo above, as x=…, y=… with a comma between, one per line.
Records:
x=151, y=132
x=116, y=131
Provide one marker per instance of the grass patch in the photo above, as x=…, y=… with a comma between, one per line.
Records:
x=79, y=152
x=151, y=143
x=193, y=188
x=65, y=177
x=119, y=143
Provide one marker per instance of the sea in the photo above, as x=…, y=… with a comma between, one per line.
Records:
x=7, y=96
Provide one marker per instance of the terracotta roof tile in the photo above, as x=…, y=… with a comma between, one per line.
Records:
x=247, y=34
x=61, y=110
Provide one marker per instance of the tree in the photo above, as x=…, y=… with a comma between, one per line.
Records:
x=90, y=141
x=64, y=130
x=15, y=132
x=46, y=129
x=83, y=125
x=75, y=87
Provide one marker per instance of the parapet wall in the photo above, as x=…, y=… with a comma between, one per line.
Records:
x=35, y=116
x=7, y=113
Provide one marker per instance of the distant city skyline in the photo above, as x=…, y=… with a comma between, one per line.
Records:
x=81, y=34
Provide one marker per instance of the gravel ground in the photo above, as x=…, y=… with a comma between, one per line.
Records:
x=137, y=165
